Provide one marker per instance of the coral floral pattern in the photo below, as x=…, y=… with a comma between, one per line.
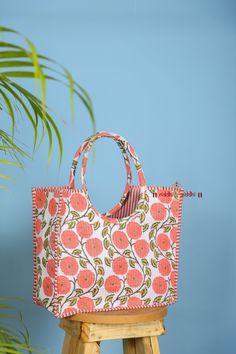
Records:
x=84, y=261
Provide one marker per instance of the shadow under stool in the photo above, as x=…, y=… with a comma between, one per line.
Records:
x=138, y=328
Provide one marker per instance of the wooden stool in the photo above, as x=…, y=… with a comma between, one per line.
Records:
x=138, y=329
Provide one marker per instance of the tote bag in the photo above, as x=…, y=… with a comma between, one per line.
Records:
x=85, y=261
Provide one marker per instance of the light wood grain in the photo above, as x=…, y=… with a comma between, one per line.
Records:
x=91, y=332
x=70, y=327
x=71, y=344
x=88, y=348
x=122, y=316
x=138, y=329
x=129, y=346
x=147, y=345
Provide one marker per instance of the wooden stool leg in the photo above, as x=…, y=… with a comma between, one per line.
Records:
x=147, y=345
x=89, y=348
x=71, y=344
x=129, y=346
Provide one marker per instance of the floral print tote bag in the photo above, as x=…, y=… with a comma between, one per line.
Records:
x=85, y=261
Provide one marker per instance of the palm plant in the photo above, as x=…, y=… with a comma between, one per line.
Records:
x=25, y=62
x=14, y=335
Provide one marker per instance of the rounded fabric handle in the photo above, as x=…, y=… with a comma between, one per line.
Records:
x=125, y=146
x=128, y=171
x=88, y=142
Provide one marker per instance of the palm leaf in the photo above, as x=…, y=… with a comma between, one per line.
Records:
x=23, y=105
x=38, y=72
x=13, y=340
x=25, y=62
x=10, y=146
x=2, y=175
x=13, y=163
x=32, y=54
x=36, y=105
x=4, y=306
x=12, y=54
x=13, y=150
x=14, y=63
x=73, y=91
x=7, y=316
x=10, y=109
x=7, y=29
x=22, y=74
x=9, y=45
x=71, y=87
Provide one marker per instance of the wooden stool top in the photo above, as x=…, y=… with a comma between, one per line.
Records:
x=121, y=316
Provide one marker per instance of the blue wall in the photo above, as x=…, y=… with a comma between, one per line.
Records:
x=161, y=73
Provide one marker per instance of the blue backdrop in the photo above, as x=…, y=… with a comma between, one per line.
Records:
x=161, y=73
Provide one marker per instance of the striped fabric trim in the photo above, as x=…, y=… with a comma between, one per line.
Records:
x=118, y=308
x=130, y=204
x=34, y=297
x=178, y=246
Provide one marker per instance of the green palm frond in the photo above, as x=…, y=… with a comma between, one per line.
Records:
x=24, y=62
x=14, y=336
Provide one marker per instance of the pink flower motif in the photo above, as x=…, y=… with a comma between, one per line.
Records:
x=119, y=265
x=85, y=303
x=84, y=229
x=141, y=248
x=69, y=266
x=69, y=311
x=134, y=301
x=78, y=202
x=94, y=247
x=47, y=286
x=175, y=208
x=120, y=239
x=39, y=245
x=173, y=234
x=69, y=239
x=51, y=268
x=112, y=284
x=63, y=208
x=159, y=285
x=63, y=285
x=40, y=199
x=173, y=278
x=134, y=230
x=53, y=241
x=134, y=278
x=158, y=211
x=163, y=242
x=52, y=207
x=85, y=279
x=38, y=226
x=164, y=195
x=164, y=267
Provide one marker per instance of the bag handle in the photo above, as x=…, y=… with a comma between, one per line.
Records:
x=127, y=165
x=80, y=151
x=128, y=171
x=122, y=143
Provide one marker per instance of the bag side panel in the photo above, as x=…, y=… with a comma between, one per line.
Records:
x=45, y=215
x=166, y=208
